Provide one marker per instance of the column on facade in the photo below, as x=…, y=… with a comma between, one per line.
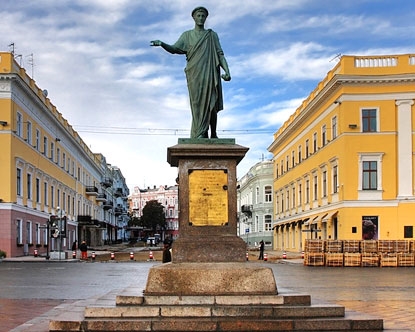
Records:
x=405, y=169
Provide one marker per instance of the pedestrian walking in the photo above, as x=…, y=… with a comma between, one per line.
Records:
x=167, y=249
x=84, y=250
x=261, y=250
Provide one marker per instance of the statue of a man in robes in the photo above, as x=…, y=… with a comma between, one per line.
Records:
x=204, y=57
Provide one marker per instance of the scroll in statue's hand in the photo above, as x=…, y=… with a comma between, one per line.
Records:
x=226, y=77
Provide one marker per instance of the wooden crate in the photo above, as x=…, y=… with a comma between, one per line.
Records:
x=385, y=246
x=334, y=246
x=369, y=246
x=406, y=259
x=314, y=259
x=351, y=246
x=402, y=246
x=390, y=259
x=314, y=245
x=334, y=259
x=352, y=259
x=370, y=259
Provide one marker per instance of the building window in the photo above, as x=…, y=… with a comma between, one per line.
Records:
x=293, y=158
x=52, y=196
x=37, y=234
x=256, y=195
x=58, y=156
x=268, y=222
x=29, y=232
x=63, y=160
x=323, y=135
x=52, y=151
x=370, y=174
x=45, y=146
x=307, y=148
x=45, y=193
x=282, y=167
x=334, y=127
x=315, y=142
x=307, y=191
x=315, y=188
x=408, y=232
x=287, y=160
x=37, y=142
x=37, y=191
x=19, y=124
x=19, y=229
x=299, y=194
x=335, y=179
x=19, y=182
x=29, y=186
x=369, y=120
x=29, y=133
x=300, y=157
x=324, y=183
x=268, y=194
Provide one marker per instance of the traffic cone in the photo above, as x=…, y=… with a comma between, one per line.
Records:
x=112, y=256
x=131, y=255
x=150, y=256
x=284, y=255
x=35, y=253
x=302, y=254
x=265, y=257
x=247, y=256
x=73, y=254
x=93, y=255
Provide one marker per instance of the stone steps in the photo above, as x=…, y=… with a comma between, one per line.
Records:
x=280, y=312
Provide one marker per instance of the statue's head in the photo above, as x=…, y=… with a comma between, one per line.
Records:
x=194, y=11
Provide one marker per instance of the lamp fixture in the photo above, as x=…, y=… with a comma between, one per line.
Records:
x=57, y=139
x=3, y=123
x=352, y=126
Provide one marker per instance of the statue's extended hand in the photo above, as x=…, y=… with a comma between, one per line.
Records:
x=226, y=77
x=155, y=43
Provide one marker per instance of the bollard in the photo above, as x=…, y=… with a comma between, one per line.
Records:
x=150, y=256
x=131, y=255
x=73, y=254
x=35, y=253
x=265, y=257
x=284, y=255
x=112, y=256
x=302, y=254
x=247, y=256
x=93, y=255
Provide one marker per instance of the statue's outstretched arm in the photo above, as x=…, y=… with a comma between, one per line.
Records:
x=169, y=48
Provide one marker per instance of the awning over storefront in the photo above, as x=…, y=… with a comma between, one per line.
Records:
x=329, y=216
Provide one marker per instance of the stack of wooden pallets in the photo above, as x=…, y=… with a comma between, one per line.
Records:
x=351, y=253
x=370, y=255
x=387, y=253
x=406, y=254
x=314, y=252
x=334, y=253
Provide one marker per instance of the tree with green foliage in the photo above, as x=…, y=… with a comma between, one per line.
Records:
x=153, y=216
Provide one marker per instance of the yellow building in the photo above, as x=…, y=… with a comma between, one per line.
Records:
x=47, y=170
x=344, y=161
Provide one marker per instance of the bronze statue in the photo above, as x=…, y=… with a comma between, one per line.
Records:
x=204, y=57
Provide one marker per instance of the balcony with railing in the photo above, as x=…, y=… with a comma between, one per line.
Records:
x=91, y=191
x=118, y=192
x=247, y=209
x=106, y=182
x=101, y=197
x=107, y=205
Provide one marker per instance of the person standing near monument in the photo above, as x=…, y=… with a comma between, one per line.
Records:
x=204, y=57
x=261, y=249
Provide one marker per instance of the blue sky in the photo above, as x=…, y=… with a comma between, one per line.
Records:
x=129, y=101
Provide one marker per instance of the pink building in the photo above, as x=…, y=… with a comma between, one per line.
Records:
x=168, y=196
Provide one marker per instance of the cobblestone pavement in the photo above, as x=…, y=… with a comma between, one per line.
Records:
x=387, y=293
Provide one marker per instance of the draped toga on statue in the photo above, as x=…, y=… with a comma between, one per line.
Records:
x=202, y=49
